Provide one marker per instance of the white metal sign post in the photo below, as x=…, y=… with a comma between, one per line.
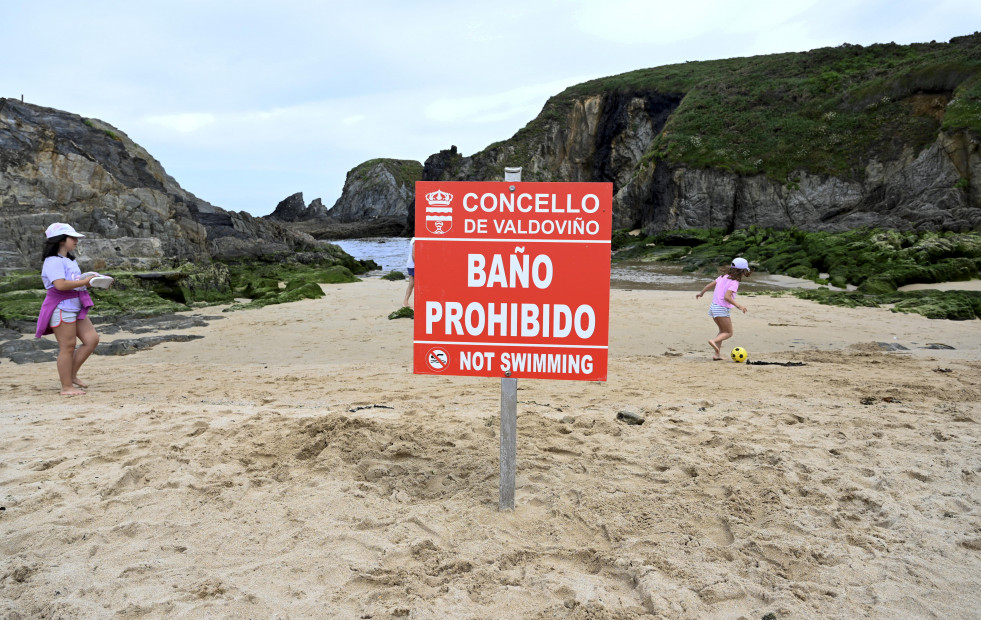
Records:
x=509, y=417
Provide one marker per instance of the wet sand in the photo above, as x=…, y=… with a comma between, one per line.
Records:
x=289, y=465
x=968, y=285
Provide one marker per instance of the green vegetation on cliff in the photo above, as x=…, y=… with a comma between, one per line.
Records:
x=826, y=111
x=405, y=171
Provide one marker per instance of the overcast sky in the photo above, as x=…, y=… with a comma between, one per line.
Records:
x=245, y=102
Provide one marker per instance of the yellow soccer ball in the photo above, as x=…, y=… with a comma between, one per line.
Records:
x=739, y=354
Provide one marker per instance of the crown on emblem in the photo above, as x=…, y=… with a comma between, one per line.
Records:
x=439, y=198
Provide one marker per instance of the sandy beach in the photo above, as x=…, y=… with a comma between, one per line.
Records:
x=290, y=465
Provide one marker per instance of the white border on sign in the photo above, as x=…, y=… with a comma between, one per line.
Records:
x=514, y=239
x=514, y=344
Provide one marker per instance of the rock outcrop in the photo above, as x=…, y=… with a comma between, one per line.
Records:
x=602, y=138
x=377, y=198
x=293, y=209
x=685, y=148
x=916, y=192
x=58, y=166
x=605, y=138
x=379, y=188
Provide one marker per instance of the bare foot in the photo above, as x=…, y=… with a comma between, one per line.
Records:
x=79, y=383
x=72, y=392
x=718, y=351
x=716, y=358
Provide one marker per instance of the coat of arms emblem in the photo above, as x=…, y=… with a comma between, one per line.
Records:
x=439, y=213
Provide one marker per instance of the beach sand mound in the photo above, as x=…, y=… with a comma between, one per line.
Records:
x=288, y=464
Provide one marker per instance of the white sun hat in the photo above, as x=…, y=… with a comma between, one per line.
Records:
x=60, y=228
x=740, y=263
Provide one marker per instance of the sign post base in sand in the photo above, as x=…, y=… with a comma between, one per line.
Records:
x=509, y=417
x=509, y=442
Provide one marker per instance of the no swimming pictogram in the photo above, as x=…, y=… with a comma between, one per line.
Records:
x=438, y=359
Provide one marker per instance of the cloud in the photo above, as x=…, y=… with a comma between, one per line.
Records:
x=407, y=124
x=639, y=22
x=182, y=123
x=519, y=104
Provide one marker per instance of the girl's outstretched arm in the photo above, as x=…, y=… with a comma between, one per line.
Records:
x=733, y=301
x=707, y=287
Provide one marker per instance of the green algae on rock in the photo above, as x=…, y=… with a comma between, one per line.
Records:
x=294, y=292
x=190, y=284
x=20, y=305
x=405, y=312
x=874, y=262
x=951, y=305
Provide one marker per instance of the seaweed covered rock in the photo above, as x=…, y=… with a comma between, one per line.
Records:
x=281, y=283
x=20, y=305
x=875, y=261
x=307, y=290
x=291, y=292
x=19, y=308
x=337, y=275
x=950, y=305
x=188, y=284
x=129, y=302
x=405, y=312
x=131, y=294
x=21, y=283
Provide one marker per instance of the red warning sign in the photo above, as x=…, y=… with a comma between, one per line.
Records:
x=513, y=279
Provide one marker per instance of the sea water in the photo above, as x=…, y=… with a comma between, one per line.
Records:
x=391, y=253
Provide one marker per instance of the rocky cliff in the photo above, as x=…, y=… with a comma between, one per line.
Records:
x=378, y=188
x=58, y=166
x=831, y=139
x=293, y=209
x=377, y=198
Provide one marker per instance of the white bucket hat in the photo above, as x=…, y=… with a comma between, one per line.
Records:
x=60, y=228
x=740, y=263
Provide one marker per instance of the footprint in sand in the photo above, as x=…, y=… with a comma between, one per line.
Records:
x=130, y=479
x=717, y=530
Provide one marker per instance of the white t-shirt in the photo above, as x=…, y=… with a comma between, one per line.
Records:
x=62, y=268
x=410, y=261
